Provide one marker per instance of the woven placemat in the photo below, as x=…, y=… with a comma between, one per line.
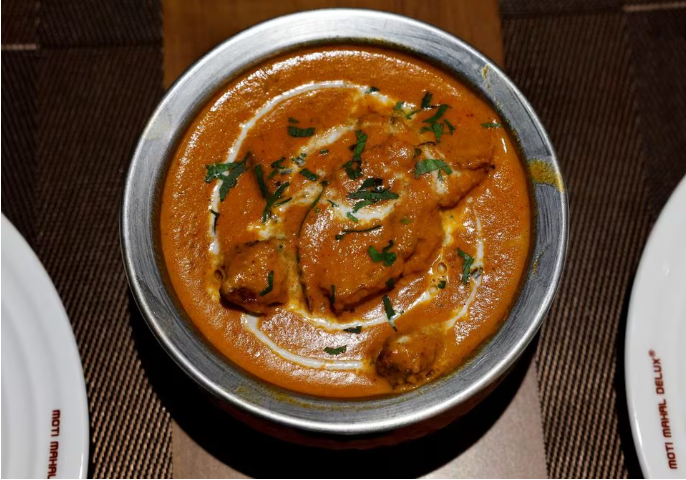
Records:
x=80, y=80
x=608, y=81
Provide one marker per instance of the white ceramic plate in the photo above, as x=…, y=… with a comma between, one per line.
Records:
x=44, y=409
x=655, y=353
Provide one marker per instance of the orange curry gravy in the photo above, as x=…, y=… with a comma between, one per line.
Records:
x=346, y=222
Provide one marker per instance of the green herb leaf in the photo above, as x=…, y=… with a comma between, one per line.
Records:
x=323, y=152
x=441, y=110
x=260, y=182
x=270, y=284
x=467, y=266
x=374, y=196
x=429, y=165
x=451, y=129
x=333, y=294
x=297, y=132
x=214, y=222
x=282, y=202
x=412, y=113
x=278, y=163
x=385, y=256
x=399, y=106
x=333, y=204
x=352, y=217
x=417, y=152
x=372, y=90
x=341, y=235
x=426, y=100
x=390, y=313
x=390, y=283
x=300, y=159
x=491, y=125
x=437, y=128
x=361, y=142
x=362, y=204
x=278, y=167
x=405, y=221
x=335, y=351
x=354, y=167
x=370, y=183
x=442, y=284
x=292, y=120
x=215, y=170
x=271, y=200
x=229, y=181
x=309, y=175
x=357, y=329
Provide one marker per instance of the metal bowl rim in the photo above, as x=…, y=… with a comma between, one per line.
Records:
x=169, y=122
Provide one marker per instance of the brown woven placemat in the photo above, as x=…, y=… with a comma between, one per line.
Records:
x=81, y=78
x=609, y=81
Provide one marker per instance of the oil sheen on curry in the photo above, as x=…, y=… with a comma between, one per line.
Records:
x=346, y=222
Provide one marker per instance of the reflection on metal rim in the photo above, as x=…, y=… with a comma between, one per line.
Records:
x=156, y=299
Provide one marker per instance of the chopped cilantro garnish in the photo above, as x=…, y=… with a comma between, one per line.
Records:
x=370, y=192
x=217, y=171
x=270, y=284
x=362, y=204
x=300, y=159
x=294, y=131
x=390, y=283
x=399, y=106
x=412, y=113
x=214, y=222
x=309, y=175
x=385, y=256
x=451, y=129
x=354, y=167
x=292, y=120
x=372, y=90
x=352, y=217
x=278, y=204
x=429, y=165
x=260, y=181
x=333, y=204
x=439, y=113
x=417, y=152
x=278, y=163
x=441, y=284
x=467, y=267
x=405, y=221
x=370, y=183
x=335, y=351
x=374, y=196
x=345, y=232
x=491, y=125
x=426, y=100
x=273, y=199
x=323, y=152
x=390, y=313
x=436, y=128
x=357, y=329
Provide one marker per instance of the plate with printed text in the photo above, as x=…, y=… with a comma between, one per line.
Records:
x=655, y=349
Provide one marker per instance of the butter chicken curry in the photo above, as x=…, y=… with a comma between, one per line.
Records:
x=346, y=222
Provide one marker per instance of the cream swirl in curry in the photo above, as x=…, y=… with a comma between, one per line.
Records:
x=346, y=222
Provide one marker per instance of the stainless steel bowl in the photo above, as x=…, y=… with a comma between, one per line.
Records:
x=237, y=388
